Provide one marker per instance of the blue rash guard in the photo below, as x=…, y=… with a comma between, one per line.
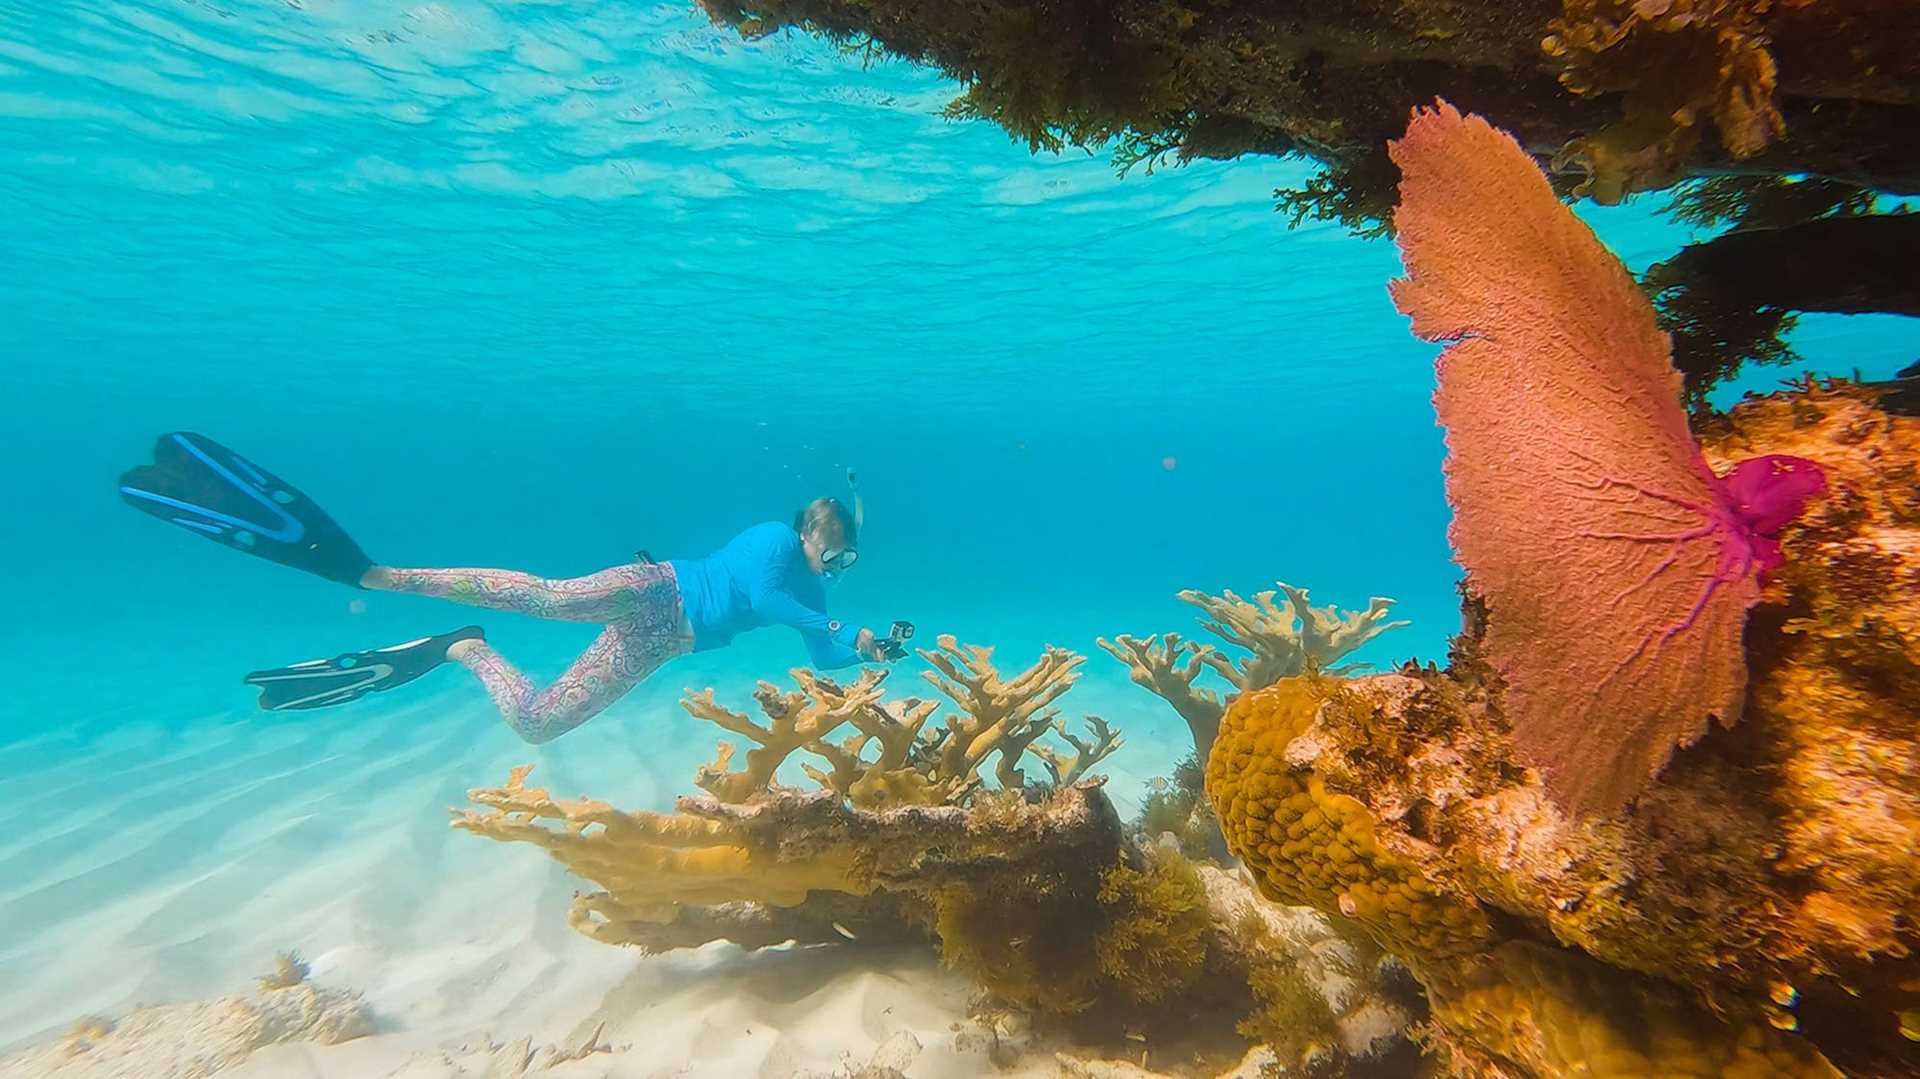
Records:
x=761, y=578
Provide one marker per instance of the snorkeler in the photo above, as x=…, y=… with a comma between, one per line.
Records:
x=770, y=574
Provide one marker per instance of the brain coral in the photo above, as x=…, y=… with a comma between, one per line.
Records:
x=1312, y=847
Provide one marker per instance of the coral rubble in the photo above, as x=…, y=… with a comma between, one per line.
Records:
x=188, y=1041
x=487, y=1059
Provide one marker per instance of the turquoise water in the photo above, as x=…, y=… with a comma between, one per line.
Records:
x=535, y=285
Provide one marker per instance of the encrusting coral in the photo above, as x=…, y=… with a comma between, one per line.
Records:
x=1753, y=911
x=1502, y=1004
x=1583, y=508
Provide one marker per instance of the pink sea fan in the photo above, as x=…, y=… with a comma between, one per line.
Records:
x=1617, y=568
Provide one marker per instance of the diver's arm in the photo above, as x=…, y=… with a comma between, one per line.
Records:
x=830, y=643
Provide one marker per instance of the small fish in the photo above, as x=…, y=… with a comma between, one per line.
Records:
x=844, y=931
x=1158, y=783
x=1136, y=1036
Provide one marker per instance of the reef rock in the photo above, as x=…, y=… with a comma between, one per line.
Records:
x=1630, y=95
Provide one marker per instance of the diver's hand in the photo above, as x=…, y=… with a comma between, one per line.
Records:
x=878, y=649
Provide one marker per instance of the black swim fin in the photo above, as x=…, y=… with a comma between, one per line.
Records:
x=319, y=683
x=202, y=486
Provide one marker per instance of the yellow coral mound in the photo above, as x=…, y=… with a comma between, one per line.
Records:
x=1308, y=845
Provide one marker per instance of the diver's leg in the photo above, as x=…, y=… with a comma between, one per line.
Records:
x=623, y=655
x=611, y=595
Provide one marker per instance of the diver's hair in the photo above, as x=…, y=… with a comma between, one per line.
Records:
x=821, y=510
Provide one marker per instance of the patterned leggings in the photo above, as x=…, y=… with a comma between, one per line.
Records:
x=639, y=604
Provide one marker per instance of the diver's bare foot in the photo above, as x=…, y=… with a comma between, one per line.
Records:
x=460, y=649
x=377, y=577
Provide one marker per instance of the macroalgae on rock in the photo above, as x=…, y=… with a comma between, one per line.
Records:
x=1776, y=246
x=1741, y=98
x=1624, y=96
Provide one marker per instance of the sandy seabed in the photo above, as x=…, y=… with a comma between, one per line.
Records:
x=154, y=866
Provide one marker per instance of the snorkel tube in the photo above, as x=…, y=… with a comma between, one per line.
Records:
x=894, y=645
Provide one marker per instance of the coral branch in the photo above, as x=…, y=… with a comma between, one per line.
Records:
x=1167, y=666
x=1284, y=642
x=995, y=714
x=1281, y=642
x=796, y=719
x=1066, y=769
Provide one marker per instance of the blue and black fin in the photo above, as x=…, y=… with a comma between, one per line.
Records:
x=321, y=683
x=211, y=491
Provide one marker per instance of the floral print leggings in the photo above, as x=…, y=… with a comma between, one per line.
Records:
x=639, y=604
